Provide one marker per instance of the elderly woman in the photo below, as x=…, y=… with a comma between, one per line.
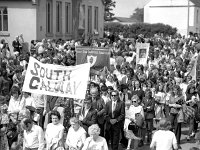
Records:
x=95, y=141
x=54, y=132
x=164, y=138
x=76, y=135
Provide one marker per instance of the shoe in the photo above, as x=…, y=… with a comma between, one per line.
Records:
x=188, y=138
x=179, y=147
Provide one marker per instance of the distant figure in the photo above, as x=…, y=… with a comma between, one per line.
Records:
x=16, y=45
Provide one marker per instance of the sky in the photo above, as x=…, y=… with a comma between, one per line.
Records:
x=125, y=8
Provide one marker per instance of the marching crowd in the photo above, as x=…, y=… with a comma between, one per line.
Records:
x=128, y=104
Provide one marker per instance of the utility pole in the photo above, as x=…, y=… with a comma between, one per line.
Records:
x=188, y=18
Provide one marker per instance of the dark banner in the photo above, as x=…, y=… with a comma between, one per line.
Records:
x=96, y=56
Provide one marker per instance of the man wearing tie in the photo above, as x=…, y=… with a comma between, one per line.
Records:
x=115, y=116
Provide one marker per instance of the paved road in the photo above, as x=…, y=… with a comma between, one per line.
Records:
x=186, y=145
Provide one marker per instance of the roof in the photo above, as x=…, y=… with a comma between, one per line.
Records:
x=123, y=19
x=183, y=2
x=196, y=2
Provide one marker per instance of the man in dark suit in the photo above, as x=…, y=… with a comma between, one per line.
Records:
x=99, y=105
x=88, y=115
x=115, y=116
x=149, y=113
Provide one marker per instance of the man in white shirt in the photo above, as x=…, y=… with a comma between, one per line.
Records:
x=33, y=136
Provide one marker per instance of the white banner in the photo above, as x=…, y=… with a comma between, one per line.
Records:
x=56, y=80
x=142, y=53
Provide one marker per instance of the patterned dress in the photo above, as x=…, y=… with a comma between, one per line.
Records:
x=3, y=136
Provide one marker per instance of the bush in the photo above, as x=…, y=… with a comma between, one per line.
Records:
x=148, y=30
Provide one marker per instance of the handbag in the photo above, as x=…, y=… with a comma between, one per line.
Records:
x=139, y=120
x=133, y=127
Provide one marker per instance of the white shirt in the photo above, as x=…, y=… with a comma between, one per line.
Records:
x=53, y=133
x=76, y=138
x=114, y=105
x=34, y=138
x=29, y=101
x=135, y=110
x=99, y=144
x=15, y=105
x=105, y=98
x=163, y=140
x=86, y=111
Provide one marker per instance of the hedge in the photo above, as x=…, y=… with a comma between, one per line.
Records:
x=148, y=30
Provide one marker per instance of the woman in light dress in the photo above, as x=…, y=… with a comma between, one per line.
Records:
x=54, y=132
x=95, y=142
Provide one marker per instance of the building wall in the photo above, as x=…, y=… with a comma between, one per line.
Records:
x=41, y=21
x=21, y=20
x=94, y=3
x=30, y=20
x=174, y=13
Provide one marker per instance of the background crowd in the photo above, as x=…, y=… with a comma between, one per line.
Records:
x=124, y=104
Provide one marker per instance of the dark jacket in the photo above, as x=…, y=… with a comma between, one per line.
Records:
x=99, y=105
x=149, y=105
x=90, y=118
x=119, y=114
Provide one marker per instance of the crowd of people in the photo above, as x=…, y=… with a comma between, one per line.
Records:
x=124, y=105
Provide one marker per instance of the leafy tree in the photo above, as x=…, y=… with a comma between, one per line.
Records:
x=138, y=14
x=148, y=30
x=109, y=5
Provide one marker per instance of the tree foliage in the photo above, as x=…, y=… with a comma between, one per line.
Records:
x=138, y=14
x=109, y=5
x=148, y=30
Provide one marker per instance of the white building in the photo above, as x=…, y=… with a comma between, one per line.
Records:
x=51, y=19
x=182, y=14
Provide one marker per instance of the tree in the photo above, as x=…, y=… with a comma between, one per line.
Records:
x=138, y=14
x=109, y=5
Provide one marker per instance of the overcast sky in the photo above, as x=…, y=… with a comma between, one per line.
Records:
x=124, y=8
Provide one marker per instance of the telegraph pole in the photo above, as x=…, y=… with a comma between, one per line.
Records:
x=188, y=18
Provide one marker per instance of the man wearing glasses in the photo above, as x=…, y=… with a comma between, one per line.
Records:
x=115, y=116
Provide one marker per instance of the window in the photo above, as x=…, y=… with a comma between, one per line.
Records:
x=59, y=17
x=197, y=16
x=67, y=17
x=3, y=19
x=49, y=18
x=83, y=16
x=96, y=18
x=89, y=19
